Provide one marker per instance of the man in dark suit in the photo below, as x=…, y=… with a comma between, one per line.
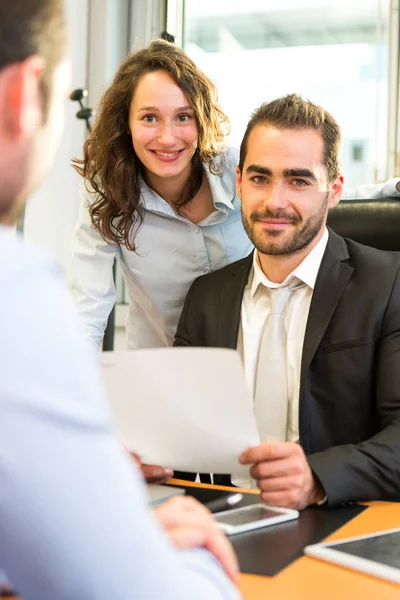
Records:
x=323, y=362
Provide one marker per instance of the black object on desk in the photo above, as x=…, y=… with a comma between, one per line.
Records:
x=267, y=551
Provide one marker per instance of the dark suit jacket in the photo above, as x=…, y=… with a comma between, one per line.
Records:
x=349, y=402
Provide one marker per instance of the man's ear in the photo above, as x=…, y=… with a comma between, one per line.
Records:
x=336, y=191
x=238, y=183
x=21, y=101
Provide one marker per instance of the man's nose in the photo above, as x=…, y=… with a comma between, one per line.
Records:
x=275, y=197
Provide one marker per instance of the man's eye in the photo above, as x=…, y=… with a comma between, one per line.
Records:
x=149, y=118
x=300, y=182
x=258, y=179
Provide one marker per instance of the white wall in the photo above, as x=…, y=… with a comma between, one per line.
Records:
x=98, y=39
x=108, y=34
x=51, y=211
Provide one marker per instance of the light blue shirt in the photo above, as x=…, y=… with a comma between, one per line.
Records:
x=171, y=253
x=74, y=521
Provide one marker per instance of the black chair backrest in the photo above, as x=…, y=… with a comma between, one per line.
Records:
x=374, y=223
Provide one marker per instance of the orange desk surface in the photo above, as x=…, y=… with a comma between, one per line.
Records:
x=311, y=579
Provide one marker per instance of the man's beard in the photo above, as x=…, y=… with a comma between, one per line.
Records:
x=269, y=243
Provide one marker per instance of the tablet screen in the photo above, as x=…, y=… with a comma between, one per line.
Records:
x=384, y=549
x=248, y=515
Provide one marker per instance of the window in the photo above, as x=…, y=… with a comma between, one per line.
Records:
x=334, y=52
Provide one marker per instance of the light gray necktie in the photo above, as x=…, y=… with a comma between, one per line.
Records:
x=271, y=389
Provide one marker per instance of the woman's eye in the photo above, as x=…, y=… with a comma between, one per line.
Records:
x=149, y=118
x=183, y=118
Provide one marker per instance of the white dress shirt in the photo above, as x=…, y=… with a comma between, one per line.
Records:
x=171, y=252
x=74, y=521
x=254, y=314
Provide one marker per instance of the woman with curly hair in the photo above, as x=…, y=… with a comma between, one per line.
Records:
x=158, y=194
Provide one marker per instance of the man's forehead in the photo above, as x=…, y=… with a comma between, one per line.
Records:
x=293, y=148
x=270, y=134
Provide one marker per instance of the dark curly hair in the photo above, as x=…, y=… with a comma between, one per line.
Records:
x=110, y=164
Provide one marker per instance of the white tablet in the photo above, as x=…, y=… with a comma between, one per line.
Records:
x=377, y=554
x=251, y=517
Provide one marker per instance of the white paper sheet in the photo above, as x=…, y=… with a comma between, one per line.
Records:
x=183, y=408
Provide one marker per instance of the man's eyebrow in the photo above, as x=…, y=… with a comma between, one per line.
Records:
x=259, y=169
x=286, y=173
x=299, y=173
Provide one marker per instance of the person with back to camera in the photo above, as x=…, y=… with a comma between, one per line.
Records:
x=74, y=516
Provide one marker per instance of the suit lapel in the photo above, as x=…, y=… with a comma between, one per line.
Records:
x=231, y=302
x=332, y=279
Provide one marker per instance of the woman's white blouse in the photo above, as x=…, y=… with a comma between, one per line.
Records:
x=171, y=252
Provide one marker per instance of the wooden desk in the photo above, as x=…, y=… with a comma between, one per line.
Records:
x=311, y=579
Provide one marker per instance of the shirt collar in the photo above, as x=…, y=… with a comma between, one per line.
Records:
x=306, y=271
x=150, y=200
x=218, y=192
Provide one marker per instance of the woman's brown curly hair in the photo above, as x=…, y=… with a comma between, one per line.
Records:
x=110, y=164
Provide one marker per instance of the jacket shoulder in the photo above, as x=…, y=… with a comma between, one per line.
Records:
x=215, y=280
x=372, y=257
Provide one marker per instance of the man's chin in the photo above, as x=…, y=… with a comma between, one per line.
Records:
x=275, y=244
x=278, y=247
x=273, y=250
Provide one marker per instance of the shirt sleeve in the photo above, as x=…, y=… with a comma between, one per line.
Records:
x=91, y=275
x=372, y=191
x=74, y=521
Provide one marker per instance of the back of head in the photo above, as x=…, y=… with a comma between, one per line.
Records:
x=32, y=45
x=296, y=113
x=33, y=27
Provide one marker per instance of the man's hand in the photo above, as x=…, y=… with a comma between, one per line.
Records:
x=190, y=525
x=283, y=475
x=152, y=473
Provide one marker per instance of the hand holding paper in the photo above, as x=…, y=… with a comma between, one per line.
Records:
x=187, y=409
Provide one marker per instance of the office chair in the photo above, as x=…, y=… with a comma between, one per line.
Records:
x=374, y=223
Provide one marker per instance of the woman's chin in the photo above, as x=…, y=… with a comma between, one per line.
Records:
x=167, y=170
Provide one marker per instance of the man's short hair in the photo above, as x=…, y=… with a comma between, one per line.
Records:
x=294, y=112
x=29, y=27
